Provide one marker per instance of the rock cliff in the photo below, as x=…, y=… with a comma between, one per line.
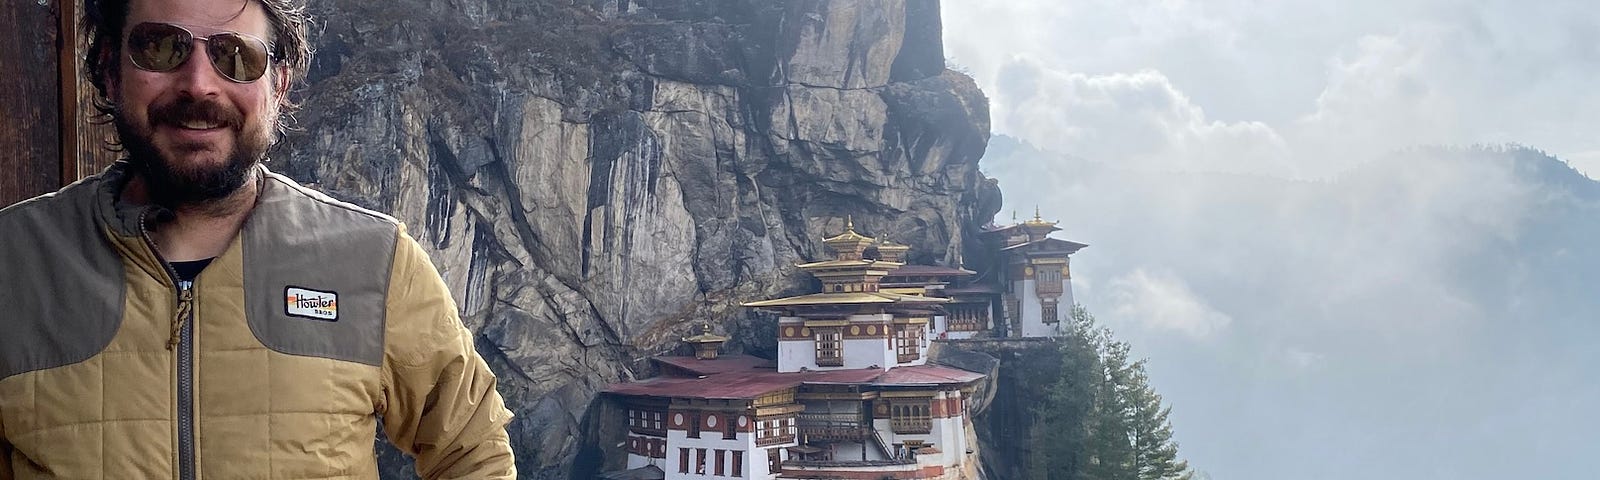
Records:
x=592, y=177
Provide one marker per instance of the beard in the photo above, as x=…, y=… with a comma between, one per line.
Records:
x=172, y=182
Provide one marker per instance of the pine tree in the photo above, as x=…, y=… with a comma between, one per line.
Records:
x=1155, y=454
x=1110, y=449
x=1101, y=420
x=1060, y=432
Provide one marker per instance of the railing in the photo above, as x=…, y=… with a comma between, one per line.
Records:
x=849, y=463
x=833, y=426
x=774, y=440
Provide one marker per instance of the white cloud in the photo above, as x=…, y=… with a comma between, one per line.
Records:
x=1335, y=82
x=1133, y=119
x=1162, y=301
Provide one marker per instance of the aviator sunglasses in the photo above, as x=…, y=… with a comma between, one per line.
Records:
x=163, y=47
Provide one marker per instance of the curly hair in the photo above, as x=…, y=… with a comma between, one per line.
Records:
x=104, y=20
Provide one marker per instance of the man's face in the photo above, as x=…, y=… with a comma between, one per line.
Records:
x=192, y=133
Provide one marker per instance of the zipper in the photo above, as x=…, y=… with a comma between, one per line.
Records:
x=182, y=339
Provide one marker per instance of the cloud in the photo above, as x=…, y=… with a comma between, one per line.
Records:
x=1336, y=83
x=1161, y=301
x=1133, y=119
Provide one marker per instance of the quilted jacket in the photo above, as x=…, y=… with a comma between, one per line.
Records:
x=277, y=363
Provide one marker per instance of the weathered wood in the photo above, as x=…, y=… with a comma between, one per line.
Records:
x=90, y=155
x=30, y=149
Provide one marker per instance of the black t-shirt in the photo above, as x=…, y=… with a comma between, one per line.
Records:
x=188, y=270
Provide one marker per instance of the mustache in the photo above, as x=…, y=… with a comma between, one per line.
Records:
x=191, y=110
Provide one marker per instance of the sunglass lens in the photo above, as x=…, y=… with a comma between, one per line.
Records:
x=158, y=47
x=237, y=57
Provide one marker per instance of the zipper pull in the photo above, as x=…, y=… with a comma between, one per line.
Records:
x=185, y=309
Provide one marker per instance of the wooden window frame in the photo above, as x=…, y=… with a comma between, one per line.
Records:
x=738, y=463
x=911, y=416
x=699, y=461
x=683, y=460
x=835, y=340
x=907, y=343
x=722, y=456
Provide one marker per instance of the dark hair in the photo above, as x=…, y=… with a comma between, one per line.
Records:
x=104, y=20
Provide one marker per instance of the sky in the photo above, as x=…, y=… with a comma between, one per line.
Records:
x=1288, y=216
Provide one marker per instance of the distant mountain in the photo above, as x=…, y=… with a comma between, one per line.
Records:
x=1429, y=314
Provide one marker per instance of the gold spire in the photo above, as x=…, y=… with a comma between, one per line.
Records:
x=889, y=251
x=848, y=245
x=1037, y=220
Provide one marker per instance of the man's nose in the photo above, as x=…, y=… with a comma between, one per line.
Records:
x=196, y=77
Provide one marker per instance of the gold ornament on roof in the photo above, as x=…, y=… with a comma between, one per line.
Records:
x=1037, y=220
x=848, y=245
x=705, y=335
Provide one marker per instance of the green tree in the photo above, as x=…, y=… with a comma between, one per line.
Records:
x=1061, y=431
x=1155, y=454
x=1101, y=420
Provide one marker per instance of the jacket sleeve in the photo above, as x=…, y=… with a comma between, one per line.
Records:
x=440, y=404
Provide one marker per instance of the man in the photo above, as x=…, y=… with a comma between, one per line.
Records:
x=188, y=314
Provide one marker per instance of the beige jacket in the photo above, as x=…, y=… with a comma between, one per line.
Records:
x=319, y=320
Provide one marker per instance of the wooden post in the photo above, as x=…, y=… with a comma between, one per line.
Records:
x=67, y=48
x=29, y=142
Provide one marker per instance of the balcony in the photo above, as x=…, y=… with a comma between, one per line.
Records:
x=834, y=426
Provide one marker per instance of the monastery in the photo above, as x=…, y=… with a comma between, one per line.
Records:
x=851, y=394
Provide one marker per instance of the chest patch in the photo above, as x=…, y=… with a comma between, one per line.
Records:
x=312, y=304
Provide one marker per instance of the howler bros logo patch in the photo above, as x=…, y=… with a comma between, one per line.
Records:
x=313, y=304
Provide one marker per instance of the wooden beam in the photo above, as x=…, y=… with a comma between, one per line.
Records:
x=29, y=146
x=67, y=49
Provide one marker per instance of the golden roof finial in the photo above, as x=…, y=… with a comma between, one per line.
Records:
x=849, y=223
x=1036, y=213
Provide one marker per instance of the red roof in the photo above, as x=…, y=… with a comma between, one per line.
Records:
x=739, y=381
x=723, y=364
x=927, y=375
x=744, y=385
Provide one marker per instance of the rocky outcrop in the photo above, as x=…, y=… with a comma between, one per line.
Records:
x=1021, y=372
x=593, y=177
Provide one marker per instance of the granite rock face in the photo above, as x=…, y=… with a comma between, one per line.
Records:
x=594, y=177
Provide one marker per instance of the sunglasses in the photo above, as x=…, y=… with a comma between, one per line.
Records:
x=163, y=47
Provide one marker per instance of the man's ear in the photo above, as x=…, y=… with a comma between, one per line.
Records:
x=281, y=84
x=111, y=73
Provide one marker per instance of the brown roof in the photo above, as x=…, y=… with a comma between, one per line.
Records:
x=927, y=375
x=736, y=382
x=723, y=363
x=1060, y=245
x=929, y=271
x=844, y=298
x=981, y=288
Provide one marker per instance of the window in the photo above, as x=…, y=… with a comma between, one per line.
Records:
x=908, y=342
x=774, y=461
x=1048, y=281
x=683, y=460
x=700, y=461
x=730, y=427
x=911, y=416
x=694, y=423
x=646, y=422
x=738, y=463
x=1049, y=314
x=830, y=346
x=719, y=471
